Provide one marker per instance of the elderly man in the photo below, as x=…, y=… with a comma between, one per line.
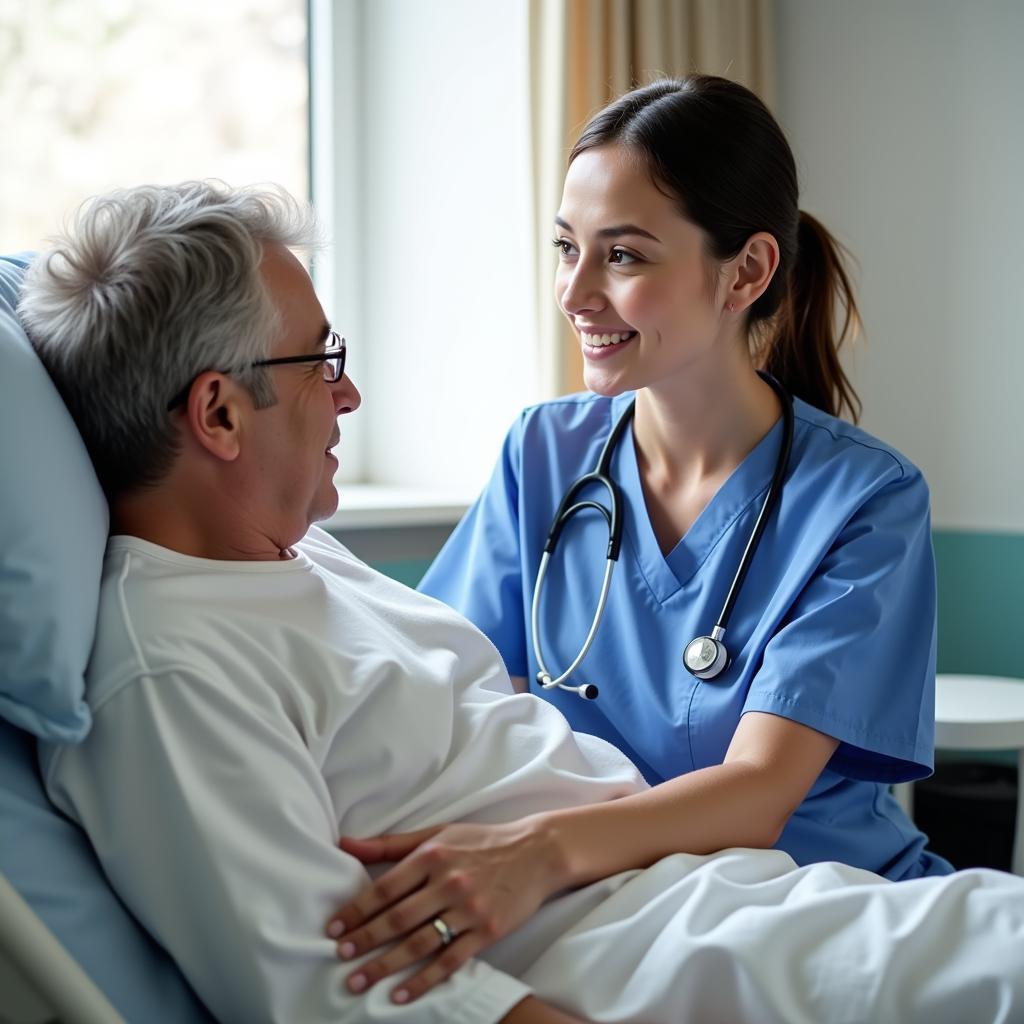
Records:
x=258, y=691
x=250, y=677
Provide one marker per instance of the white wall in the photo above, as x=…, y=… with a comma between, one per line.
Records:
x=445, y=243
x=907, y=118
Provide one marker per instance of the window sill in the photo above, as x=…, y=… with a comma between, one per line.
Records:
x=386, y=506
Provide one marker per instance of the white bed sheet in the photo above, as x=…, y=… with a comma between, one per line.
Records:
x=746, y=936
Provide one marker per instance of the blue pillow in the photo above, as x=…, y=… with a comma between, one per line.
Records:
x=49, y=861
x=53, y=529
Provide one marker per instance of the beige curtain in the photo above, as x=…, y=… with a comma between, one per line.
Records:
x=583, y=53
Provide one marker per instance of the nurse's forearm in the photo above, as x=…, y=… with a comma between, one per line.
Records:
x=770, y=766
x=733, y=804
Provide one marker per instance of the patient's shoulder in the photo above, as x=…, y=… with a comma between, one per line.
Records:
x=162, y=612
x=319, y=542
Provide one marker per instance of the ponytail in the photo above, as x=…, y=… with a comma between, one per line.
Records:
x=802, y=347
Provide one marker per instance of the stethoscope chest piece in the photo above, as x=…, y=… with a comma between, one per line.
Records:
x=705, y=657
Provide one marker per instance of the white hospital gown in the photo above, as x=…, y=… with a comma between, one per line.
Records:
x=248, y=713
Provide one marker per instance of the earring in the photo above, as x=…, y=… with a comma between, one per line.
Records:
x=730, y=307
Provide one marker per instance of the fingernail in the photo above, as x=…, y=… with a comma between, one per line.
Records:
x=335, y=928
x=400, y=995
x=347, y=950
x=357, y=982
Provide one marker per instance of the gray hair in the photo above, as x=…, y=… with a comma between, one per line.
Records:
x=150, y=287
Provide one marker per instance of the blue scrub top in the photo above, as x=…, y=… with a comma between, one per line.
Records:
x=834, y=626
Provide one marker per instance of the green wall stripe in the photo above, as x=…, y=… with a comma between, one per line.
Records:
x=981, y=602
x=981, y=599
x=406, y=570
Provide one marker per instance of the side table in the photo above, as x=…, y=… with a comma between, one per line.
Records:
x=980, y=713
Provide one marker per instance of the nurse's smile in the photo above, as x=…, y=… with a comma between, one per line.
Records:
x=601, y=344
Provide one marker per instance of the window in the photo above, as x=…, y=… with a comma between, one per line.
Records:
x=96, y=94
x=415, y=137
x=421, y=169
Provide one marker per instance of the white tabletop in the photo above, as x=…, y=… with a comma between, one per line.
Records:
x=979, y=713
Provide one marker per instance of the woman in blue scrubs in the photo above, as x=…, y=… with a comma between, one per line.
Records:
x=686, y=265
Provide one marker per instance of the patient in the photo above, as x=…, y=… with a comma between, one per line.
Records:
x=257, y=691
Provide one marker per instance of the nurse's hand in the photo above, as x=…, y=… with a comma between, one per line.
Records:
x=481, y=881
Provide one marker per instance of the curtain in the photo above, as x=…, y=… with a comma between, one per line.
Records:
x=583, y=53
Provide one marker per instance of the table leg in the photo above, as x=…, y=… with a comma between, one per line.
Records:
x=1018, y=834
x=904, y=794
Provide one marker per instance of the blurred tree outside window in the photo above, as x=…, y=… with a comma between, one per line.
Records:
x=101, y=94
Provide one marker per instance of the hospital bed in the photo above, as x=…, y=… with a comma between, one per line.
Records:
x=39, y=979
x=69, y=950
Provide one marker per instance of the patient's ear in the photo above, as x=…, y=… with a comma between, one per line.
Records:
x=214, y=412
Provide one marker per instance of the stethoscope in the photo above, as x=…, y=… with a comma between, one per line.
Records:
x=705, y=656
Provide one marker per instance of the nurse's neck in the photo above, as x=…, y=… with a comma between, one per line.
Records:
x=698, y=427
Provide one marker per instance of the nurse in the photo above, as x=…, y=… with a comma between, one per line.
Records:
x=686, y=266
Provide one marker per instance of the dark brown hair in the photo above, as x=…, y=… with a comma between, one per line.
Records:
x=713, y=146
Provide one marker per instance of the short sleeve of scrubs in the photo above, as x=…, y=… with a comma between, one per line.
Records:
x=485, y=547
x=855, y=656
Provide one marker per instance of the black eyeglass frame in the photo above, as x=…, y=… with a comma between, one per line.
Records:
x=333, y=359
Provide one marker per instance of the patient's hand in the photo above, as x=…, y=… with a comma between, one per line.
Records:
x=482, y=881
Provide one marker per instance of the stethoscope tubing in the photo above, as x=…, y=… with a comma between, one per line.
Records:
x=568, y=507
x=544, y=676
x=566, y=510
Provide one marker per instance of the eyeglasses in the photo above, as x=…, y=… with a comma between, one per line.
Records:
x=332, y=360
